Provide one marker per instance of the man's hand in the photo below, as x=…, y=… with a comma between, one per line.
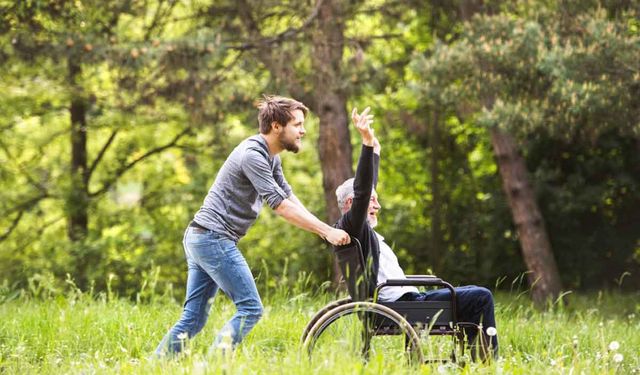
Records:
x=363, y=123
x=294, y=212
x=338, y=237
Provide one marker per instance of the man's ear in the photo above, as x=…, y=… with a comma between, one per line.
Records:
x=276, y=127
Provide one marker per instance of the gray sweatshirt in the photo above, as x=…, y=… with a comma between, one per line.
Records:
x=248, y=177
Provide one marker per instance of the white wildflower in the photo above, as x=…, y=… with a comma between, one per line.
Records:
x=618, y=358
x=614, y=345
x=199, y=367
x=492, y=331
x=553, y=362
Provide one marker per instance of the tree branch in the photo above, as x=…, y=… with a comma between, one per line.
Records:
x=13, y=226
x=27, y=204
x=21, y=209
x=40, y=230
x=23, y=169
x=288, y=33
x=159, y=19
x=131, y=164
x=382, y=36
x=98, y=158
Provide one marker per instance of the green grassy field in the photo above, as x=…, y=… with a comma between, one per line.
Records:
x=79, y=333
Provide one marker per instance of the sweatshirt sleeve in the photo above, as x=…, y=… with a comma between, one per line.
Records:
x=256, y=167
x=278, y=175
x=376, y=165
x=362, y=187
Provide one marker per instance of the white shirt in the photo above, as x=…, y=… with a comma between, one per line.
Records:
x=390, y=269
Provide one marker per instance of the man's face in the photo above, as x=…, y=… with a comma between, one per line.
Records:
x=372, y=211
x=290, y=137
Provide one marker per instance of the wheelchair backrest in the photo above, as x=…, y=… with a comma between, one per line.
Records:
x=353, y=269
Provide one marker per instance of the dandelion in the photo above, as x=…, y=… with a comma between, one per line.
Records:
x=617, y=358
x=614, y=345
x=492, y=331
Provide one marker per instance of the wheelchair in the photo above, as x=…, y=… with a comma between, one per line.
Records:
x=369, y=317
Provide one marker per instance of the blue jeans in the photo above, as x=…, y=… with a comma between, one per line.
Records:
x=474, y=304
x=214, y=262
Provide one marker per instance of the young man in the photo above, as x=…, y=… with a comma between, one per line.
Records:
x=251, y=175
x=358, y=201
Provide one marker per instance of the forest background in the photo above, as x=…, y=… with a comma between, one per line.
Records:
x=510, y=134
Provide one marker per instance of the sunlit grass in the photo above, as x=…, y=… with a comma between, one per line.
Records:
x=78, y=333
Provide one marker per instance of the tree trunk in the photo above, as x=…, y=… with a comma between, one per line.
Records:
x=543, y=276
x=436, y=250
x=78, y=199
x=326, y=97
x=331, y=106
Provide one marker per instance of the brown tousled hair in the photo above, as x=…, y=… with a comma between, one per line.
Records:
x=277, y=108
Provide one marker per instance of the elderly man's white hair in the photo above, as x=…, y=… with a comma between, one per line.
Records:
x=344, y=192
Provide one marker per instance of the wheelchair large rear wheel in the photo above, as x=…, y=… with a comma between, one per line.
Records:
x=349, y=331
x=320, y=314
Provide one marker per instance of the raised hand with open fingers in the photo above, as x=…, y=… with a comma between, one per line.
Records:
x=363, y=123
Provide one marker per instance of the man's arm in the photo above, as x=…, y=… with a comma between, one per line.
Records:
x=363, y=182
x=293, y=198
x=297, y=215
x=376, y=161
x=257, y=170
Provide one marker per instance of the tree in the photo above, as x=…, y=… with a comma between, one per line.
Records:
x=105, y=60
x=500, y=73
x=305, y=56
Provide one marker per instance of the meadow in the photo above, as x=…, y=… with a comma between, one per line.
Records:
x=78, y=332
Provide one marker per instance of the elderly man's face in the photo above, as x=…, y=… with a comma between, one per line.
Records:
x=372, y=211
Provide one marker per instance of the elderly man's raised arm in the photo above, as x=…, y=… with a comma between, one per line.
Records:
x=363, y=181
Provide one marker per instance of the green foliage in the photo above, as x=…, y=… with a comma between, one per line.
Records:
x=566, y=82
x=564, y=78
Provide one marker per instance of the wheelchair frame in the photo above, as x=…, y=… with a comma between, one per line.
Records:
x=406, y=318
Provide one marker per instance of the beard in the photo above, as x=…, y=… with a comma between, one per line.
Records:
x=289, y=145
x=372, y=221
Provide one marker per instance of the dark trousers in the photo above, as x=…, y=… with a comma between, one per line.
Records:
x=474, y=304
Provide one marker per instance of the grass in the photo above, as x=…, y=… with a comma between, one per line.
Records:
x=79, y=333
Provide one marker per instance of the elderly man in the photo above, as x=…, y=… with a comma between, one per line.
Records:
x=358, y=201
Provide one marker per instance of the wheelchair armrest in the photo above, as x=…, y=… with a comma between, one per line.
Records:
x=419, y=276
x=414, y=281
